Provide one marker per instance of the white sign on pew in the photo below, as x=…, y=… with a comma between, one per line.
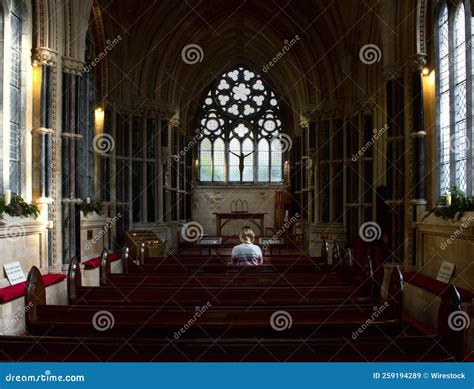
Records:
x=14, y=273
x=445, y=272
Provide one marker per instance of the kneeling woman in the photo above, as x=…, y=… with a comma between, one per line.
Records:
x=247, y=253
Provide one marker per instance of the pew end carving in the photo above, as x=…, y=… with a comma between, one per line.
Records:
x=347, y=265
x=142, y=253
x=104, y=268
x=325, y=251
x=450, y=320
x=128, y=264
x=370, y=278
x=35, y=295
x=395, y=294
x=74, y=279
x=336, y=256
x=124, y=259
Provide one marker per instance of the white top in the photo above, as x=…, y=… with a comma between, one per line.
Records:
x=247, y=254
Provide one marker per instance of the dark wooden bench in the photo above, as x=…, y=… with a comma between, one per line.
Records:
x=149, y=293
x=159, y=313
x=131, y=267
x=179, y=262
x=230, y=296
x=71, y=349
x=77, y=322
x=209, y=266
x=188, y=259
x=446, y=345
x=201, y=280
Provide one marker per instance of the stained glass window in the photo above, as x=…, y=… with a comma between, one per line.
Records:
x=454, y=137
x=206, y=160
x=444, y=99
x=15, y=102
x=240, y=120
x=460, y=135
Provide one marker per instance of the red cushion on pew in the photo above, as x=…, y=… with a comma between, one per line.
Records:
x=14, y=291
x=95, y=262
x=434, y=286
x=91, y=263
x=53, y=278
x=114, y=257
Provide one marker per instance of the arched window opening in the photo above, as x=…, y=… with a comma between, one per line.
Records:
x=241, y=118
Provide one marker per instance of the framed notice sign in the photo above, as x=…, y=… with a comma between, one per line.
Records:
x=14, y=273
x=445, y=272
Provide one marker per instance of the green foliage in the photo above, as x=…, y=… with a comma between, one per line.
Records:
x=460, y=203
x=18, y=207
x=93, y=206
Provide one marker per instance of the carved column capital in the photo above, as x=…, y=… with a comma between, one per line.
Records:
x=417, y=62
x=44, y=56
x=72, y=66
x=174, y=122
x=304, y=122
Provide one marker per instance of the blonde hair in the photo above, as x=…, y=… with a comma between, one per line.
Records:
x=246, y=235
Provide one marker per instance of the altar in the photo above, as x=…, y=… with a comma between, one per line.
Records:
x=257, y=219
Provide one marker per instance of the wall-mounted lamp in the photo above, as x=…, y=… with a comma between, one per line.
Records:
x=99, y=119
x=196, y=163
x=425, y=71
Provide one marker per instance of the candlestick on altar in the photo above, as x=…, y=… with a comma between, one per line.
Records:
x=448, y=198
x=8, y=197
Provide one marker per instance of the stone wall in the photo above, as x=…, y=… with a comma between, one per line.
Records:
x=94, y=236
x=207, y=200
x=22, y=240
x=441, y=240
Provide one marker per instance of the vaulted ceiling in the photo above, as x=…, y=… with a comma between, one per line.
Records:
x=322, y=64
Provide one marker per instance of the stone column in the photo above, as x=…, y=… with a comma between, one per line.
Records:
x=396, y=161
x=44, y=143
x=418, y=140
x=418, y=134
x=71, y=223
x=307, y=164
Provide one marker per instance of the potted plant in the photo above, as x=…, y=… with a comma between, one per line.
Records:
x=453, y=205
x=91, y=206
x=17, y=207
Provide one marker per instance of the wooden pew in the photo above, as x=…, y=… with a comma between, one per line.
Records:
x=220, y=259
x=130, y=266
x=230, y=308
x=227, y=280
x=72, y=349
x=218, y=296
x=451, y=338
x=436, y=348
x=268, y=271
x=146, y=292
x=35, y=296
